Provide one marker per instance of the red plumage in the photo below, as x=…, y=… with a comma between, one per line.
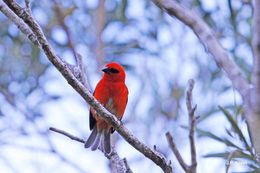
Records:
x=112, y=93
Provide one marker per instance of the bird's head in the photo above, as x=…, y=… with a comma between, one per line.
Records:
x=114, y=72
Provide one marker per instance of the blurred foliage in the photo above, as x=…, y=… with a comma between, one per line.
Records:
x=239, y=148
x=160, y=55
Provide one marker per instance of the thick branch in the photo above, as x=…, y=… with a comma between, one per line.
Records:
x=256, y=53
x=209, y=40
x=79, y=87
x=18, y=22
x=120, y=165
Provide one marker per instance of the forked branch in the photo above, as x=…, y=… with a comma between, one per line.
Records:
x=192, y=123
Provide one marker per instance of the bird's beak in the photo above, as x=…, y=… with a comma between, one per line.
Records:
x=106, y=70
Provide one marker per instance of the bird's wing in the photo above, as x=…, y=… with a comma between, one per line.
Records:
x=92, y=120
x=102, y=95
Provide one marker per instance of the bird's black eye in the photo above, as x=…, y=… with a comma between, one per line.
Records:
x=113, y=70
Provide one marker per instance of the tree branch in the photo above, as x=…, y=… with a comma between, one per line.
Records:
x=19, y=23
x=251, y=97
x=192, y=123
x=176, y=152
x=209, y=40
x=256, y=53
x=72, y=137
x=81, y=66
x=79, y=87
x=120, y=165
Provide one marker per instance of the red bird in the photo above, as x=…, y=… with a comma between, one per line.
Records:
x=112, y=93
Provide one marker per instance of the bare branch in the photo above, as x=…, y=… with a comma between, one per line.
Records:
x=209, y=40
x=84, y=78
x=27, y=4
x=18, y=22
x=75, y=138
x=176, y=152
x=189, y=97
x=120, y=165
x=81, y=89
x=127, y=166
x=192, y=124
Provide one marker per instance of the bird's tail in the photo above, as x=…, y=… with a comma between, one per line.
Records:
x=99, y=138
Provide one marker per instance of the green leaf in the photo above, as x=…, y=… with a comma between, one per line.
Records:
x=215, y=137
x=235, y=127
x=238, y=154
x=219, y=155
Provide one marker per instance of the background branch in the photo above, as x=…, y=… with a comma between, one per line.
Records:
x=60, y=17
x=81, y=89
x=192, y=123
x=252, y=104
x=72, y=137
x=209, y=40
x=176, y=152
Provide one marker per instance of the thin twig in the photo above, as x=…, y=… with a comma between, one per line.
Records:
x=189, y=96
x=27, y=4
x=75, y=138
x=192, y=123
x=128, y=169
x=176, y=152
x=118, y=165
x=84, y=78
